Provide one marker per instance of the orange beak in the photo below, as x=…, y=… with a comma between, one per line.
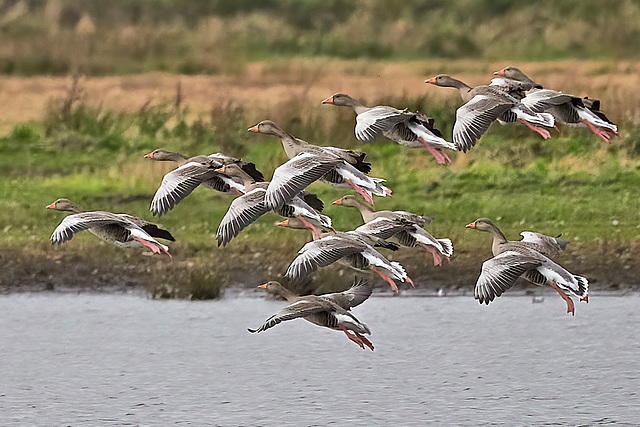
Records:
x=223, y=169
x=284, y=223
x=432, y=80
x=499, y=73
x=253, y=129
x=472, y=225
x=51, y=206
x=148, y=156
x=337, y=202
x=263, y=286
x=329, y=100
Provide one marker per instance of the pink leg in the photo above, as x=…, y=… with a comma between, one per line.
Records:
x=410, y=282
x=154, y=248
x=445, y=156
x=364, y=340
x=570, y=307
x=360, y=190
x=543, y=132
x=387, y=279
x=585, y=299
x=352, y=337
x=436, y=152
x=314, y=230
x=437, y=257
x=602, y=134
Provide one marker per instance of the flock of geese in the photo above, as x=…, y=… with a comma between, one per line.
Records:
x=511, y=97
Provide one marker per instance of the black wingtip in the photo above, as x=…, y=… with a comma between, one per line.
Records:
x=253, y=331
x=313, y=201
x=155, y=231
x=251, y=170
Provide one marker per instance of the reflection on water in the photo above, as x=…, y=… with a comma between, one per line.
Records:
x=115, y=359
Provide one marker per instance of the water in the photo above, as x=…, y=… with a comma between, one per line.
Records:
x=93, y=359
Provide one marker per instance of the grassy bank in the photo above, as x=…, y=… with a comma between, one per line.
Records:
x=573, y=184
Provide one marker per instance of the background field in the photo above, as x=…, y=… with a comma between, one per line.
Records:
x=192, y=78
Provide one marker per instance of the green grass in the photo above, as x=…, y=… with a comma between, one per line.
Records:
x=573, y=184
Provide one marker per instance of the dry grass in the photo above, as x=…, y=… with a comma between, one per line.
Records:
x=266, y=87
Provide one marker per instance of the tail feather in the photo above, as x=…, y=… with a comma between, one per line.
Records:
x=583, y=286
x=430, y=137
x=325, y=220
x=399, y=272
x=447, y=247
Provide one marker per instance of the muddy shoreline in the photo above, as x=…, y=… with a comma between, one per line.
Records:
x=193, y=274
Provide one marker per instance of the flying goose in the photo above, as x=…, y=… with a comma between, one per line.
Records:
x=483, y=105
x=528, y=258
x=192, y=172
x=349, y=171
x=566, y=109
x=328, y=310
x=122, y=230
x=354, y=249
x=409, y=129
x=247, y=208
x=410, y=234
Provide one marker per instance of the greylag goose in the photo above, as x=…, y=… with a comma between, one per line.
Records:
x=354, y=249
x=483, y=105
x=409, y=129
x=384, y=225
x=192, y=172
x=122, y=230
x=247, y=208
x=567, y=109
x=527, y=258
x=348, y=173
x=328, y=310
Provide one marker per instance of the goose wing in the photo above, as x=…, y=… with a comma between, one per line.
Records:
x=321, y=253
x=76, y=223
x=179, y=183
x=546, y=245
x=295, y=175
x=382, y=227
x=358, y=293
x=301, y=308
x=501, y=273
x=474, y=118
x=243, y=211
x=371, y=124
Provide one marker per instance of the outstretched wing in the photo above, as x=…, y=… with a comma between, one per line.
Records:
x=358, y=293
x=178, y=184
x=546, y=245
x=296, y=310
x=474, y=118
x=501, y=273
x=321, y=253
x=292, y=177
x=371, y=124
x=76, y=223
x=243, y=211
x=382, y=227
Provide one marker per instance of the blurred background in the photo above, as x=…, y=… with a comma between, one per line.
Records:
x=87, y=88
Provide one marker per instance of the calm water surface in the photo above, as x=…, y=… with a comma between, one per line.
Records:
x=93, y=359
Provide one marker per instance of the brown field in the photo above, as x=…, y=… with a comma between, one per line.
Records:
x=266, y=86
